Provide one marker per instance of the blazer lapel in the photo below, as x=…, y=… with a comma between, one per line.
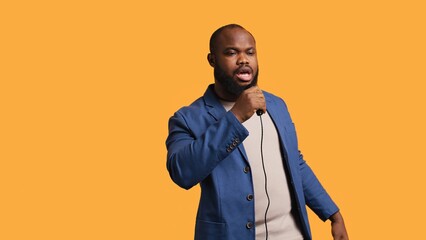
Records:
x=278, y=120
x=213, y=105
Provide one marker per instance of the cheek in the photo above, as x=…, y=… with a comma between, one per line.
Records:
x=253, y=64
x=227, y=67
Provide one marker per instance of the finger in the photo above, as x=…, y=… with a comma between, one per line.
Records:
x=263, y=106
x=252, y=90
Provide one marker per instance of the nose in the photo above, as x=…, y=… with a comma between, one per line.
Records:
x=242, y=59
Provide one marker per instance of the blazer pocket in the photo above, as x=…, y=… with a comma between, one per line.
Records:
x=207, y=230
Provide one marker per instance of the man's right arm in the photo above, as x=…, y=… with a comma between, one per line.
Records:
x=193, y=153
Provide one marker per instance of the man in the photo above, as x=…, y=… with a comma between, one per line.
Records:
x=254, y=182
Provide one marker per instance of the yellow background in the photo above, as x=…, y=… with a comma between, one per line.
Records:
x=87, y=88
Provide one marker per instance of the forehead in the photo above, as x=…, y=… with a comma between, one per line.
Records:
x=235, y=37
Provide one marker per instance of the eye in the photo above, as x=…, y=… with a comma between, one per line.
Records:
x=251, y=52
x=230, y=52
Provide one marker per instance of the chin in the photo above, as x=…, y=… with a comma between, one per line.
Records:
x=246, y=84
x=243, y=82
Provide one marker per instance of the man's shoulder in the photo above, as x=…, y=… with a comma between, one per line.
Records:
x=196, y=106
x=201, y=105
x=270, y=95
x=272, y=98
x=201, y=108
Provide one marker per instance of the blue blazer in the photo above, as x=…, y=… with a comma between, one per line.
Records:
x=205, y=146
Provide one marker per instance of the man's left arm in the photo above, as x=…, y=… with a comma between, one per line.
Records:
x=320, y=202
x=316, y=197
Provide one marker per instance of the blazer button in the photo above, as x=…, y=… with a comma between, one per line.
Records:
x=249, y=225
x=250, y=197
x=246, y=169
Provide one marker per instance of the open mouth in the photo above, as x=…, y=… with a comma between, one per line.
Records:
x=244, y=73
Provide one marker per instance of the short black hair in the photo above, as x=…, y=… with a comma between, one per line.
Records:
x=219, y=30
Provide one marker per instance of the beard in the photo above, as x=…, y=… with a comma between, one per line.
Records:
x=229, y=84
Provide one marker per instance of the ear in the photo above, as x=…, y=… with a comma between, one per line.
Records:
x=212, y=60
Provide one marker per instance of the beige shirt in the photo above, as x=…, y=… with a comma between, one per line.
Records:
x=281, y=223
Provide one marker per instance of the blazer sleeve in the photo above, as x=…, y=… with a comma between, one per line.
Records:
x=316, y=196
x=195, y=148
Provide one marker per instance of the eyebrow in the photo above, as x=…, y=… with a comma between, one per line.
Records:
x=237, y=49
